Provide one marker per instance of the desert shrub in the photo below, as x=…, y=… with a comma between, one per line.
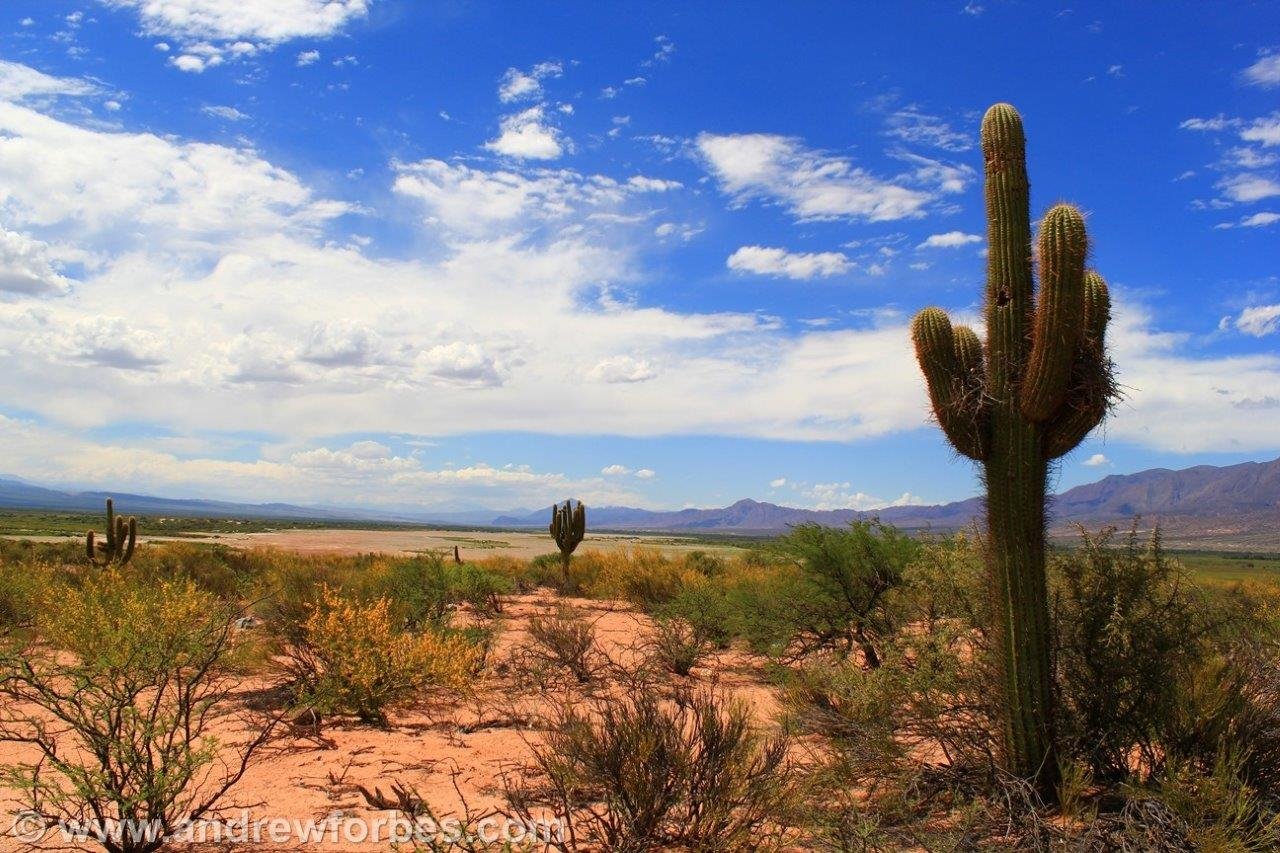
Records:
x=1152, y=669
x=1220, y=811
x=706, y=608
x=19, y=590
x=643, y=576
x=547, y=570
x=354, y=658
x=227, y=573
x=133, y=673
x=676, y=645
x=288, y=588
x=707, y=565
x=847, y=574
x=564, y=640
x=762, y=602
x=481, y=588
x=649, y=772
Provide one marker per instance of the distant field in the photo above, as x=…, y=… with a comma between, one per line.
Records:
x=1226, y=568
x=355, y=538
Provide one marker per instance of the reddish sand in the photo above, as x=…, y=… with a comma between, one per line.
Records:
x=472, y=741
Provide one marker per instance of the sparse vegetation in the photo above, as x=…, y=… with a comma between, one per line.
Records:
x=878, y=648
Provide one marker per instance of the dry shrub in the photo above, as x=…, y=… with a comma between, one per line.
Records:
x=643, y=576
x=676, y=645
x=648, y=771
x=120, y=701
x=354, y=658
x=563, y=641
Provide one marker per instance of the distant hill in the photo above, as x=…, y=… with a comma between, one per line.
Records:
x=1234, y=506
x=1239, y=504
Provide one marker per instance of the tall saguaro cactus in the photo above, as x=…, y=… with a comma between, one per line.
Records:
x=122, y=535
x=1040, y=385
x=568, y=526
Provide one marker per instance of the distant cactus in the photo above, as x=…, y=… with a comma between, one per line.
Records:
x=122, y=535
x=568, y=527
x=1042, y=384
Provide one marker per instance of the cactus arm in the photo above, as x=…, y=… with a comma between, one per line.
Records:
x=1091, y=388
x=131, y=539
x=947, y=360
x=1056, y=330
x=88, y=546
x=1009, y=284
x=111, y=529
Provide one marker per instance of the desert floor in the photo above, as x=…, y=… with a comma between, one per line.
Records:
x=473, y=544
x=435, y=746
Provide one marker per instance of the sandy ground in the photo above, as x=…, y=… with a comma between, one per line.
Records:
x=471, y=742
x=473, y=544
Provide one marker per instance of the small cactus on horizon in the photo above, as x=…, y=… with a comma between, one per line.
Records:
x=121, y=536
x=568, y=527
x=1041, y=383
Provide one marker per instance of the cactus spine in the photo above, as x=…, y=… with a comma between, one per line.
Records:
x=1043, y=382
x=568, y=526
x=122, y=535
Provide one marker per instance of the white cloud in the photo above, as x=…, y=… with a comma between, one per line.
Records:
x=974, y=9
x=640, y=183
x=1249, y=187
x=1265, y=131
x=461, y=363
x=1259, y=320
x=814, y=185
x=827, y=496
x=224, y=112
x=1265, y=72
x=517, y=85
x=615, y=470
x=911, y=125
x=778, y=483
x=308, y=57
x=949, y=240
x=527, y=136
x=645, y=474
x=477, y=201
x=1097, y=460
x=18, y=82
x=26, y=267
x=1216, y=123
x=211, y=32
x=764, y=260
x=271, y=21
x=621, y=369
x=1257, y=220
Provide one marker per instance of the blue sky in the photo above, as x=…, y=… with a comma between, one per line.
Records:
x=454, y=255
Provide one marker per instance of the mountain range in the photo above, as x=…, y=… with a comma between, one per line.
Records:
x=1235, y=506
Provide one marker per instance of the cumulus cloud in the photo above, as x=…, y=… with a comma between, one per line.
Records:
x=764, y=260
x=1097, y=460
x=271, y=21
x=814, y=185
x=1249, y=187
x=1265, y=131
x=949, y=240
x=308, y=57
x=1256, y=220
x=26, y=267
x=211, y=32
x=527, y=135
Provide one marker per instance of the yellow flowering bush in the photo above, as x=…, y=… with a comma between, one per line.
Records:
x=362, y=662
